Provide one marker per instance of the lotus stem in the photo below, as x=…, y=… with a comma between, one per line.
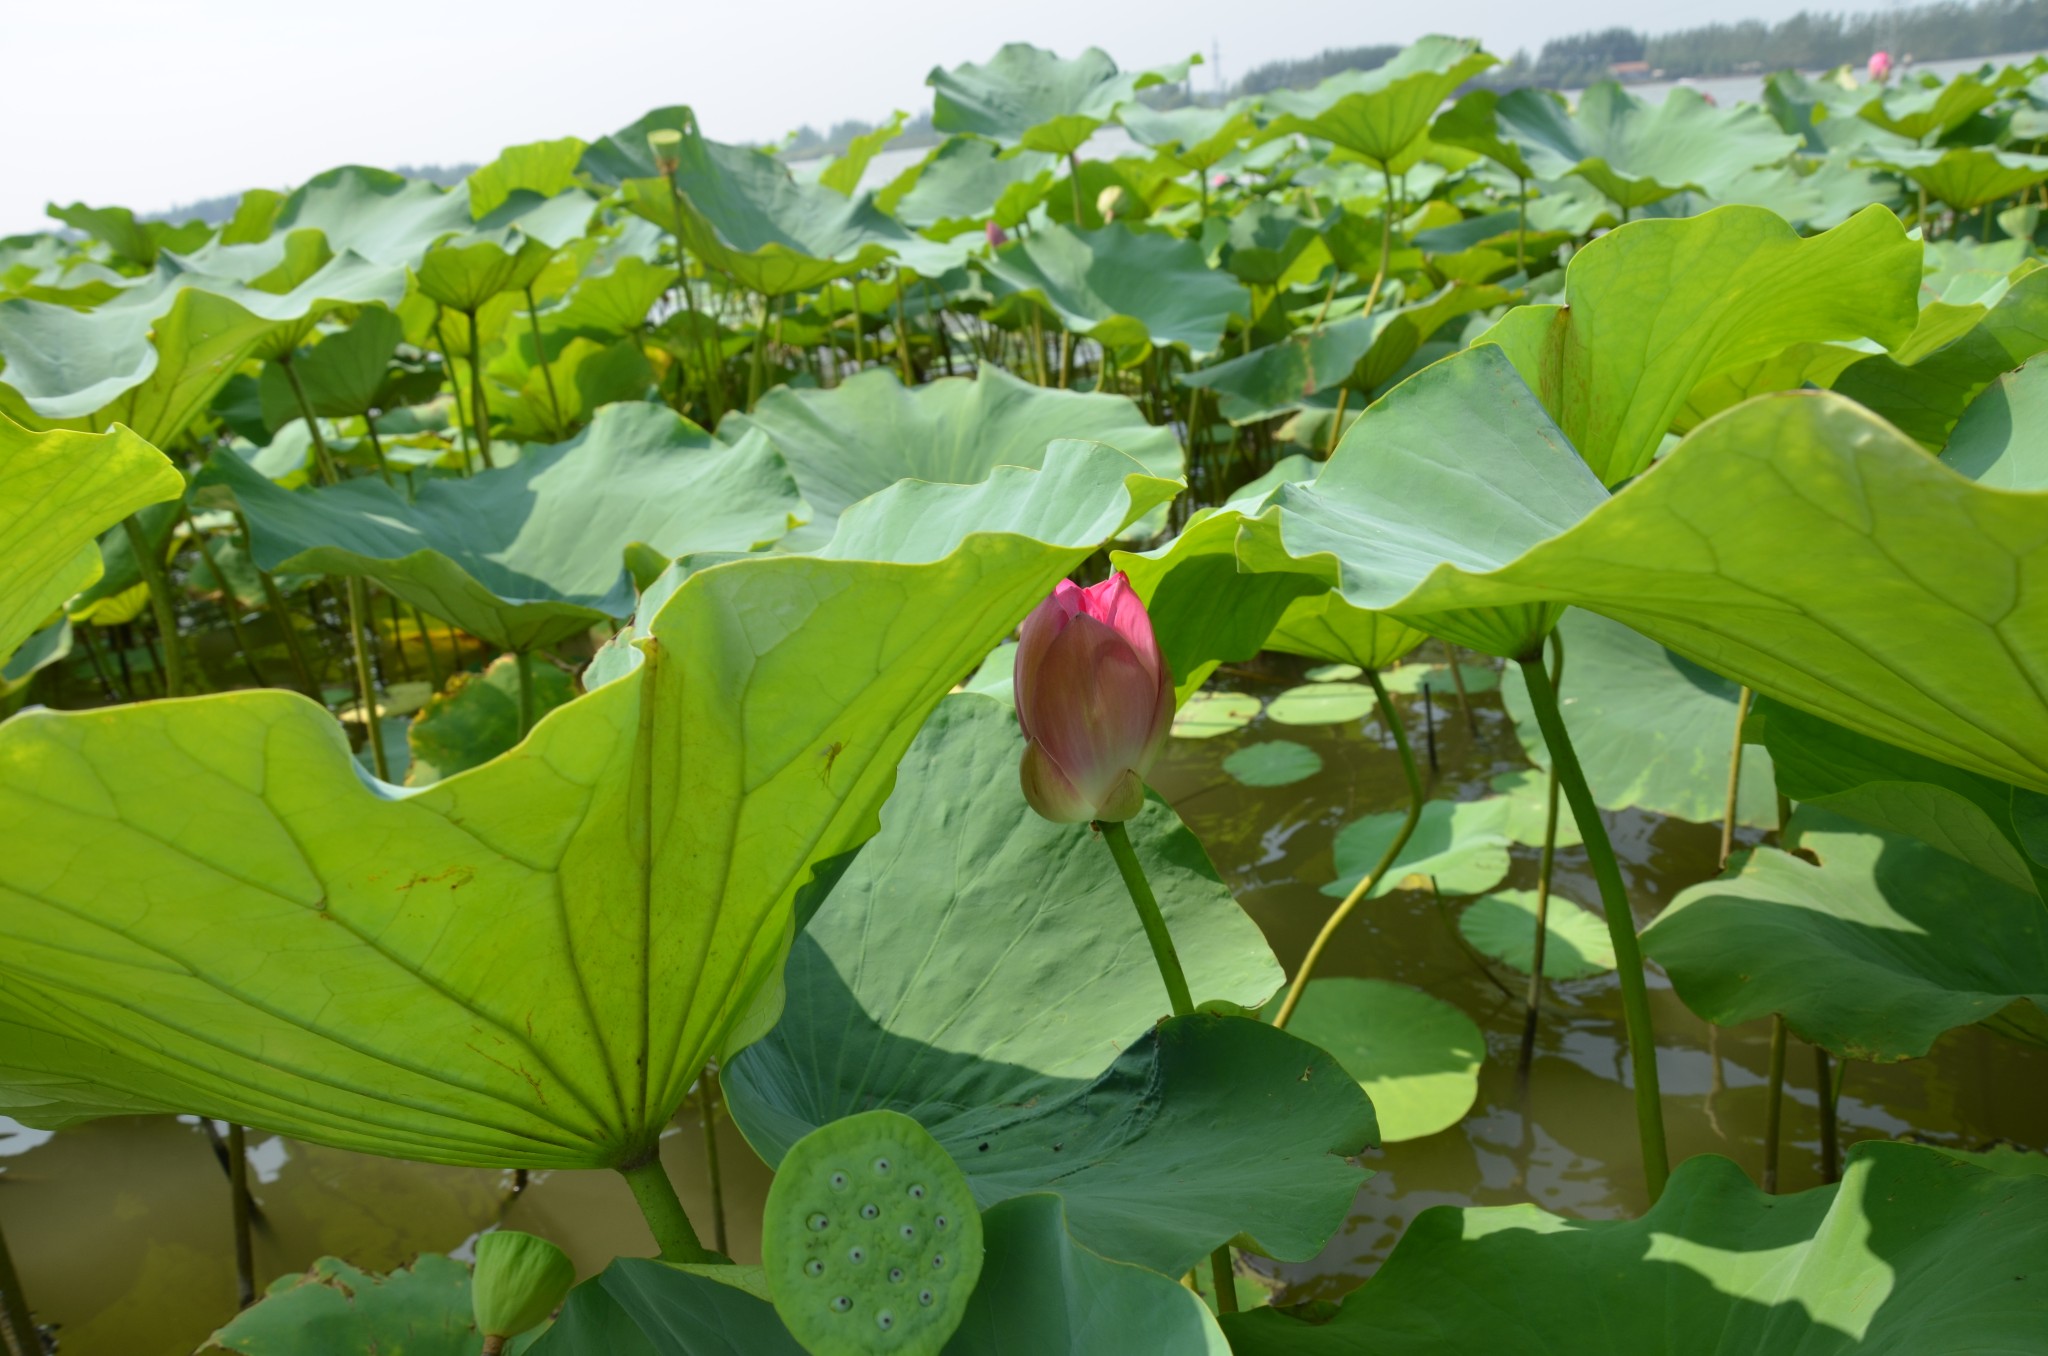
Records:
x=656, y=1196
x=523, y=663
x=1386, y=861
x=479, y=410
x=1127, y=864
x=230, y=606
x=1734, y=778
x=540, y=358
x=1826, y=1089
x=757, y=375
x=1521, y=223
x=154, y=577
x=238, y=1193
x=1774, y=1103
x=1074, y=183
x=903, y=335
x=1543, y=874
x=1621, y=926
x=714, y=368
x=1458, y=683
x=462, y=422
x=1379, y=277
x=17, y=1327
x=377, y=450
x=708, y=1100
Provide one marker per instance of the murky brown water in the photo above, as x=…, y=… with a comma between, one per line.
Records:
x=121, y=1227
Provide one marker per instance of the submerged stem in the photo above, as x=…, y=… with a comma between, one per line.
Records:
x=151, y=566
x=1621, y=926
x=238, y=1189
x=1386, y=861
x=1774, y=1103
x=1734, y=777
x=1827, y=1089
x=656, y=1196
x=17, y=1328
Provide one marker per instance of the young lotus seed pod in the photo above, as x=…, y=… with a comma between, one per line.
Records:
x=871, y=1239
x=666, y=144
x=519, y=1281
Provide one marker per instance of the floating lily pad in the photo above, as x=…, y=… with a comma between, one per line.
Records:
x=1463, y=845
x=1503, y=925
x=1208, y=714
x=1321, y=704
x=1277, y=762
x=1334, y=673
x=1409, y=678
x=1416, y=1056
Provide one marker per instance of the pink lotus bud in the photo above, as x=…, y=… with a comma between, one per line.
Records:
x=1095, y=699
x=1880, y=65
x=1219, y=180
x=997, y=237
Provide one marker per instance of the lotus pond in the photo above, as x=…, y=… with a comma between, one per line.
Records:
x=528, y=821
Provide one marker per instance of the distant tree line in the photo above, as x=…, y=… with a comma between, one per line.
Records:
x=1303, y=72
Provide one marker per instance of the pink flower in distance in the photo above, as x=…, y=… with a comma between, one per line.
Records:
x=997, y=236
x=1880, y=65
x=1095, y=699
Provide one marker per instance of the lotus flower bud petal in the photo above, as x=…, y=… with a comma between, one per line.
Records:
x=519, y=1281
x=997, y=236
x=1095, y=699
x=1106, y=201
x=1880, y=65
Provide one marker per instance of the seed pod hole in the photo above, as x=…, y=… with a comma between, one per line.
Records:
x=841, y=1303
x=939, y=1222
x=814, y=1267
x=916, y=1192
x=896, y=1275
x=885, y=1320
x=819, y=1223
x=871, y=1211
x=925, y=1298
x=909, y=1233
x=838, y=1181
x=856, y=1255
x=938, y=1261
x=882, y=1166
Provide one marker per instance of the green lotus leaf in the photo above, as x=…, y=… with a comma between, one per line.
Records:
x=1129, y=289
x=1460, y=846
x=1502, y=925
x=1041, y=1291
x=1923, y=385
x=1417, y=1057
x=477, y=718
x=58, y=492
x=383, y=217
x=1971, y=817
x=543, y=167
x=1872, y=954
x=871, y=431
x=967, y=181
x=1891, y=1262
x=615, y=300
x=1814, y=195
x=335, y=1309
x=1030, y=98
x=1328, y=703
x=844, y=174
x=342, y=375
x=548, y=404
x=981, y=970
x=1409, y=679
x=465, y=271
x=283, y=944
x=131, y=241
x=1192, y=136
x=1276, y=762
x=1379, y=114
x=1653, y=730
x=1360, y=351
x=1658, y=307
x=1965, y=177
x=1528, y=796
x=743, y=212
x=640, y=1307
x=1922, y=111
x=1473, y=124
x=1823, y=111
x=527, y=555
x=1208, y=714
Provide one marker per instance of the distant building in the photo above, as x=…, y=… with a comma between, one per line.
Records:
x=1629, y=72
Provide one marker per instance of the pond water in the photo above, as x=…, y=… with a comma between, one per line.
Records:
x=121, y=1227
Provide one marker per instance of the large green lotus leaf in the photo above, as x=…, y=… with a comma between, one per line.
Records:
x=1416, y=1056
x=384, y=217
x=1360, y=351
x=132, y=241
x=1126, y=288
x=2001, y=437
x=1473, y=124
x=205, y=906
x=1922, y=111
x=871, y=431
x=342, y=375
x=529, y=554
x=549, y=403
x=1971, y=817
x=965, y=180
x=1380, y=113
x=1030, y=98
x=58, y=492
x=477, y=718
x=1923, y=385
x=465, y=271
x=1503, y=925
x=981, y=970
x=1192, y=136
x=1040, y=1292
x=1896, y=1260
x=1873, y=953
x=743, y=212
x=543, y=167
x=1658, y=307
x=1636, y=152
x=1965, y=177
x=334, y=1309
x=1653, y=730
x=849, y=167
x=1460, y=846
x=1850, y=574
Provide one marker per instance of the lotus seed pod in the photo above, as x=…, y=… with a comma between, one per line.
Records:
x=666, y=145
x=519, y=1281
x=871, y=1239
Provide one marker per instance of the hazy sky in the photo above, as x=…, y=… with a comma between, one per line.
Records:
x=151, y=104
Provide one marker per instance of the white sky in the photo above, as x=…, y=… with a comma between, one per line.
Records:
x=152, y=104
